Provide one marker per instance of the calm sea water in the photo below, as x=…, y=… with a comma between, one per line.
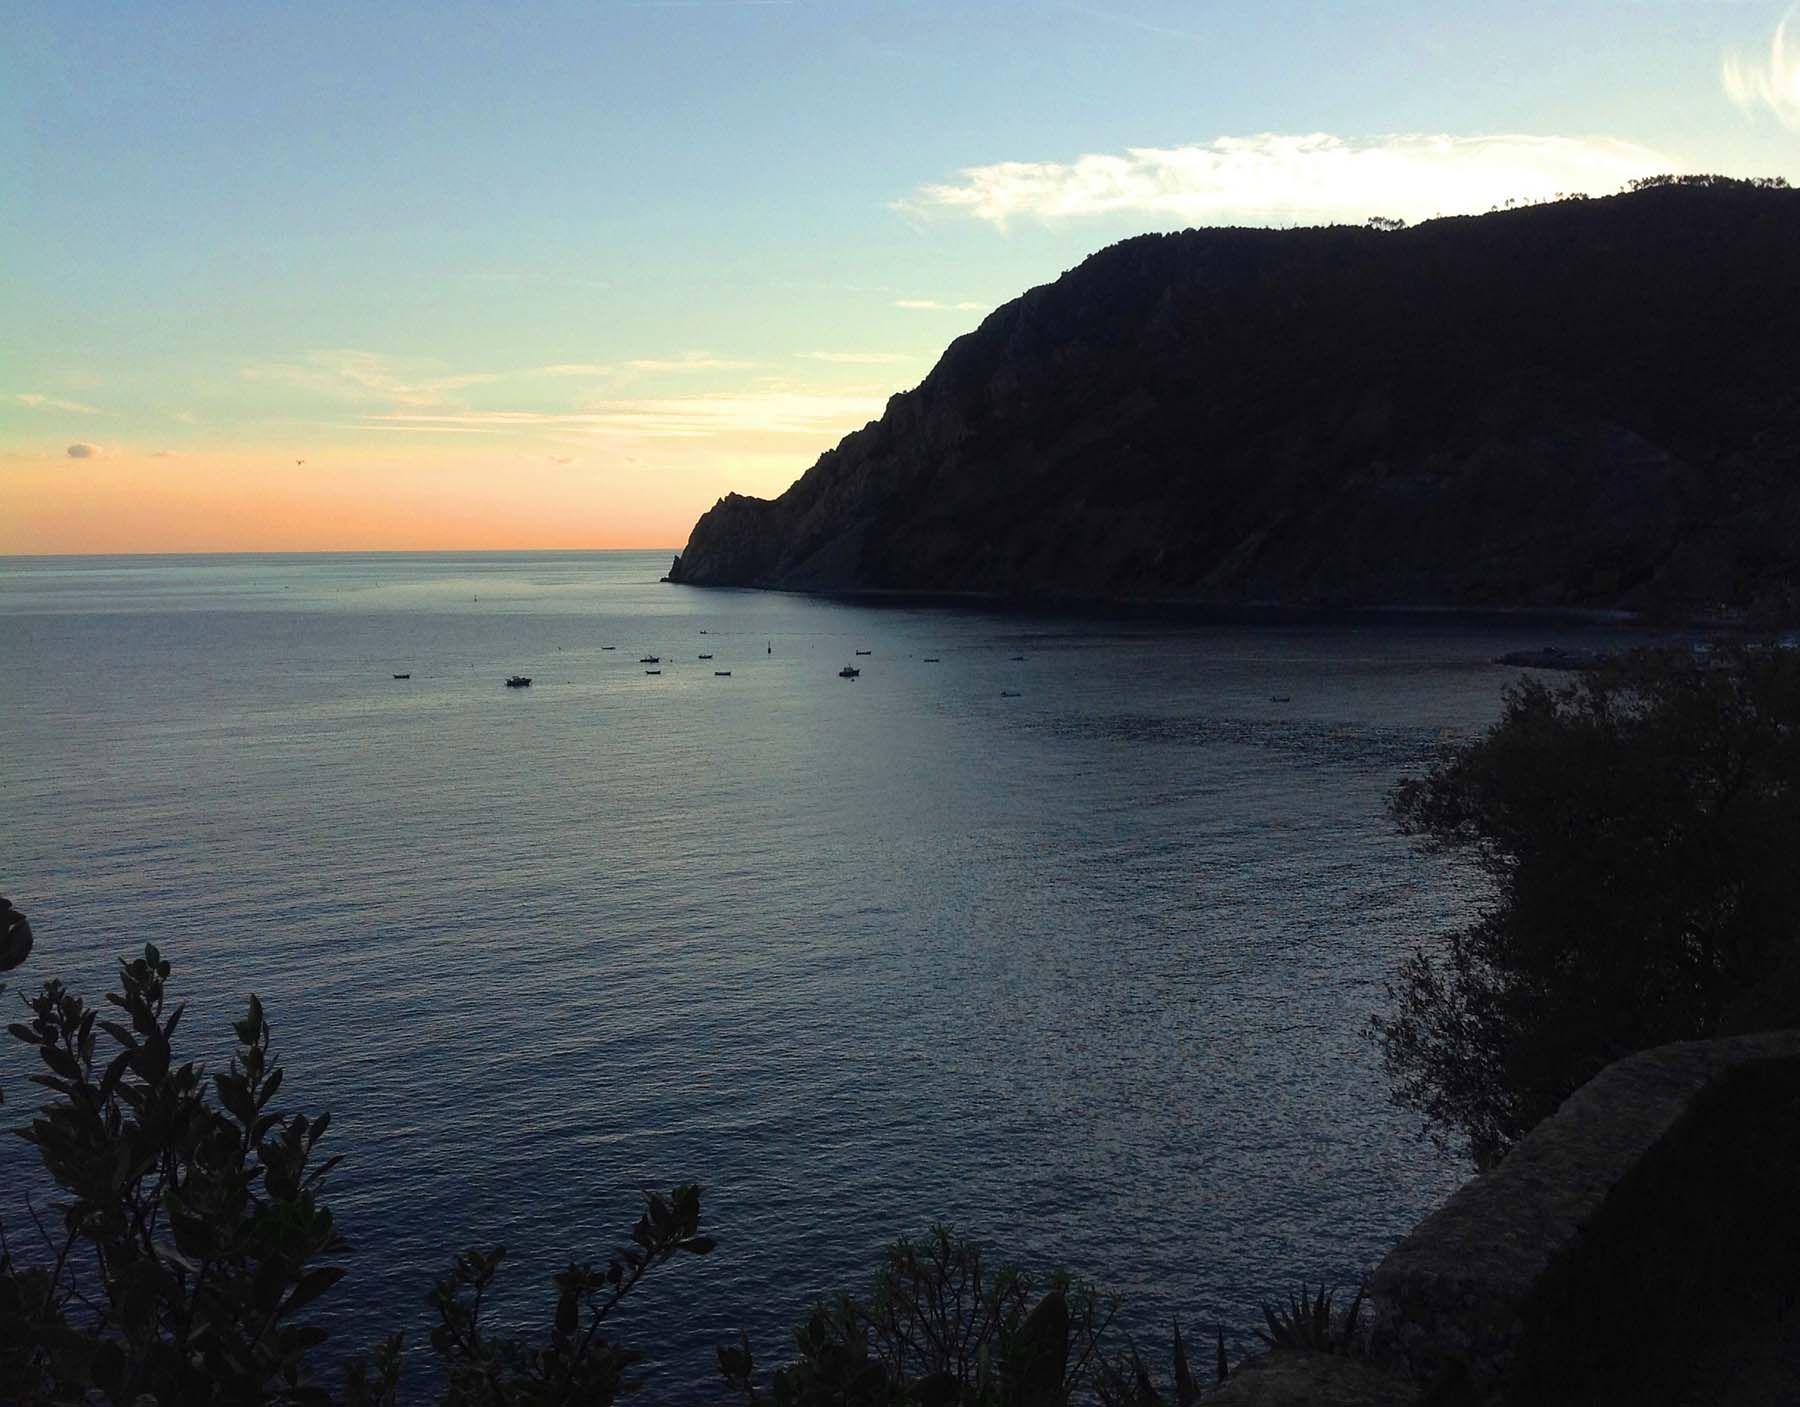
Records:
x=1068, y=939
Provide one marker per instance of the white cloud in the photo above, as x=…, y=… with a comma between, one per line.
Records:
x=690, y=361
x=1275, y=179
x=81, y=449
x=575, y=369
x=37, y=401
x=166, y=454
x=932, y=305
x=858, y=358
x=350, y=375
x=1774, y=83
x=777, y=412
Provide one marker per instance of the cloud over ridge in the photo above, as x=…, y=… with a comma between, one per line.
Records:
x=1773, y=83
x=933, y=305
x=1272, y=178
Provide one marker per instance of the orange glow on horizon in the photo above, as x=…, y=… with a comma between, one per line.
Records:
x=342, y=500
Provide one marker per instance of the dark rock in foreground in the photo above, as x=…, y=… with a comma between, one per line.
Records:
x=1587, y=404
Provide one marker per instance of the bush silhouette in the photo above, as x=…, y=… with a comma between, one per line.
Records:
x=1637, y=828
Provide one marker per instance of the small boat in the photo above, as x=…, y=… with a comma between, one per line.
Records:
x=1018, y=659
x=931, y=659
x=721, y=674
x=651, y=659
x=706, y=657
x=403, y=676
x=1009, y=693
x=1281, y=698
x=703, y=632
x=865, y=652
x=653, y=671
x=609, y=647
x=848, y=673
x=518, y=681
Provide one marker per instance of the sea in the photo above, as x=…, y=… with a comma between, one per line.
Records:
x=1064, y=929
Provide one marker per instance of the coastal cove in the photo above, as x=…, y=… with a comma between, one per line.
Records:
x=1067, y=936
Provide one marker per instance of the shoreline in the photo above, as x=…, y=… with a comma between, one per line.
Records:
x=1213, y=611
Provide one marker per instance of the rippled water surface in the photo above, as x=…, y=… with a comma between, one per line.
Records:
x=1068, y=938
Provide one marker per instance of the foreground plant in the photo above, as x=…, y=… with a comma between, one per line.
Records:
x=189, y=1236
x=1636, y=829
x=577, y=1363
x=940, y=1325
x=1307, y=1323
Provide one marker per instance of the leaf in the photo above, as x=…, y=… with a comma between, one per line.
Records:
x=60, y=1061
x=169, y=1254
x=1187, y=1391
x=115, y=1071
x=311, y=1285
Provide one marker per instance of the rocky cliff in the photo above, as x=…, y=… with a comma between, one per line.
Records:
x=1589, y=403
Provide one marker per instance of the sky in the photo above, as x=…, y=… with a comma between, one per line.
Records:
x=559, y=275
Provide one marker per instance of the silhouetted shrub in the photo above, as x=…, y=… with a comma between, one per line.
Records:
x=1308, y=1322
x=942, y=1324
x=192, y=1235
x=1638, y=828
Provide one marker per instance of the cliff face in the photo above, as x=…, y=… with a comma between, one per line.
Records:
x=1591, y=403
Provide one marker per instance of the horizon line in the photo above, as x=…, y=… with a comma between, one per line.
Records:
x=332, y=552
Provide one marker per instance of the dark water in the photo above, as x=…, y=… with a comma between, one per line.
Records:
x=1084, y=971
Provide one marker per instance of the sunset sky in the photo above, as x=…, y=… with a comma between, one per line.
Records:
x=559, y=275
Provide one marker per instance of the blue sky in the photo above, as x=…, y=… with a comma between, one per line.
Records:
x=564, y=273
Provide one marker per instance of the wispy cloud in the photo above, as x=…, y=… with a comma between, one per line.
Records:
x=38, y=401
x=81, y=449
x=1772, y=83
x=858, y=358
x=549, y=278
x=1093, y=12
x=689, y=361
x=380, y=423
x=166, y=454
x=932, y=305
x=665, y=417
x=575, y=369
x=350, y=375
x=1274, y=179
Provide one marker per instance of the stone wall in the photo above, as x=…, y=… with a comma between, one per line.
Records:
x=1655, y=1209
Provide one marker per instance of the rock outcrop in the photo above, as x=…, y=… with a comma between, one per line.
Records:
x=1649, y=1218
x=1592, y=403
